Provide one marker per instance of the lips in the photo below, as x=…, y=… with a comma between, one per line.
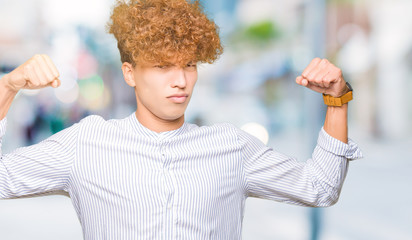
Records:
x=178, y=98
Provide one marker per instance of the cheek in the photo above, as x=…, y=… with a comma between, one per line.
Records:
x=150, y=95
x=192, y=79
x=145, y=87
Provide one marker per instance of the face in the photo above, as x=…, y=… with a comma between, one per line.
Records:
x=163, y=91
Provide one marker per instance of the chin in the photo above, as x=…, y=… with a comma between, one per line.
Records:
x=172, y=117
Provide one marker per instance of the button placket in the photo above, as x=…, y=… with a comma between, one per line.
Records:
x=169, y=194
x=166, y=159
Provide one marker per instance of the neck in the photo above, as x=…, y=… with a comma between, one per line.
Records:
x=157, y=124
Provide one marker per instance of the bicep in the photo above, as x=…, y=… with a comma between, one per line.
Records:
x=40, y=168
x=275, y=176
x=272, y=175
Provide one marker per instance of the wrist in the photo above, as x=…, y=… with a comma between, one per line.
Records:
x=347, y=88
x=345, y=96
x=7, y=96
x=338, y=108
x=6, y=88
x=336, y=122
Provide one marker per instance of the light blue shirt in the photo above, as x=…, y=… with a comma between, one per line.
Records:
x=128, y=182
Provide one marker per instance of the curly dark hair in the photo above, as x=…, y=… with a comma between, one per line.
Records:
x=164, y=31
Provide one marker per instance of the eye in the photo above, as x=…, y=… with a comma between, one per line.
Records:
x=161, y=66
x=191, y=65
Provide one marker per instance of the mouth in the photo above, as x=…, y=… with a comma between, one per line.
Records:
x=178, y=98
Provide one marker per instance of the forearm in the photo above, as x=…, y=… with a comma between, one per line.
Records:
x=6, y=97
x=336, y=122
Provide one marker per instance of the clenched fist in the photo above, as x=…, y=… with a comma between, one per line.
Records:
x=38, y=72
x=323, y=77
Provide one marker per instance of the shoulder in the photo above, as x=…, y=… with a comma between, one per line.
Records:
x=94, y=122
x=96, y=119
x=92, y=119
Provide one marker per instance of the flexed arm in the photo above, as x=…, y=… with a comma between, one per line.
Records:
x=318, y=181
x=40, y=168
x=37, y=72
x=324, y=77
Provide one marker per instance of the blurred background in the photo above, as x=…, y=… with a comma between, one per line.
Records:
x=267, y=44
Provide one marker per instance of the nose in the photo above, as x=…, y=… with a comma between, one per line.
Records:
x=179, y=79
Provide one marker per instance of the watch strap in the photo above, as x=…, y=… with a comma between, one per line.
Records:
x=332, y=101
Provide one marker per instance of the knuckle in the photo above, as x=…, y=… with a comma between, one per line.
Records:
x=28, y=67
x=31, y=61
x=45, y=56
x=310, y=76
x=326, y=63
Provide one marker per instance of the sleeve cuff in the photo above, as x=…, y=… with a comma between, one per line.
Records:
x=3, y=124
x=351, y=151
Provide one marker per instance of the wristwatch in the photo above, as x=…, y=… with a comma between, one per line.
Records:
x=339, y=101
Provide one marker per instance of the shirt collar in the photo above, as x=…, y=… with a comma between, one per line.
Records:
x=142, y=130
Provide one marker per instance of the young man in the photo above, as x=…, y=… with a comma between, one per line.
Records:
x=152, y=175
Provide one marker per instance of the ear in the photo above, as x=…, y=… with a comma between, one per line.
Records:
x=128, y=75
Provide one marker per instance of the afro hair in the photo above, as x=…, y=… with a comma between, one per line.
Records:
x=164, y=31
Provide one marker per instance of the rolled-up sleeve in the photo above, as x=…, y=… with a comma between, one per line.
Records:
x=317, y=182
x=348, y=150
x=40, y=168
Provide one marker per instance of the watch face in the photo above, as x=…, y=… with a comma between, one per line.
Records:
x=349, y=86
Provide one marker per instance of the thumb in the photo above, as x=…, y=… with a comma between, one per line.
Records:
x=302, y=81
x=55, y=83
